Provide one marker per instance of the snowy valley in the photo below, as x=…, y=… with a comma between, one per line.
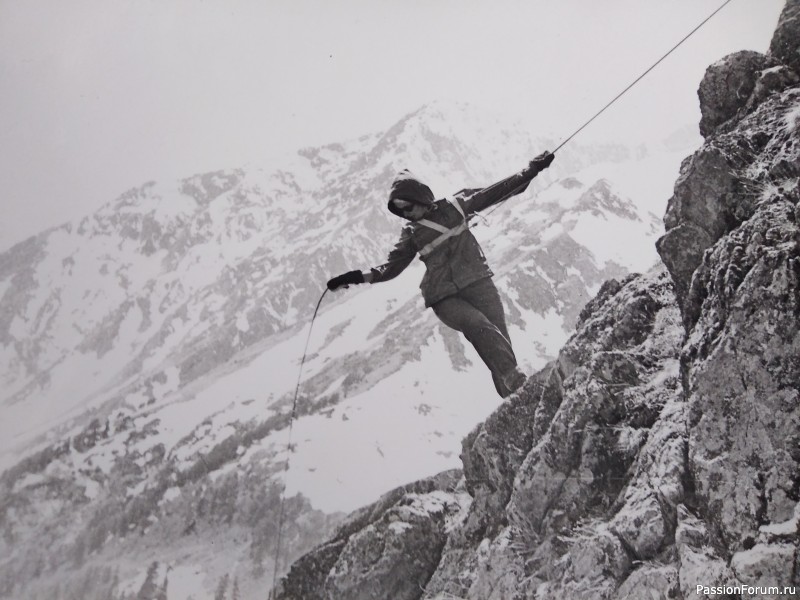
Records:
x=150, y=351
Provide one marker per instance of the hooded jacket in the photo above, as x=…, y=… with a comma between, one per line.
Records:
x=457, y=261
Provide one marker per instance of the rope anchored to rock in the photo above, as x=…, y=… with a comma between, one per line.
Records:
x=316, y=310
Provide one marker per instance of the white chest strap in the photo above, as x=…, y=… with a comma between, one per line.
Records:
x=447, y=233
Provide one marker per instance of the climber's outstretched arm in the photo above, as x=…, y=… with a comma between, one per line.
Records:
x=510, y=186
x=399, y=258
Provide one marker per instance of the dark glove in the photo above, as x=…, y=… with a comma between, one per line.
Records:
x=349, y=278
x=541, y=162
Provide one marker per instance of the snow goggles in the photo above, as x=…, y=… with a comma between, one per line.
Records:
x=403, y=205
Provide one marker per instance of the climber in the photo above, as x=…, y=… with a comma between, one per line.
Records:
x=457, y=283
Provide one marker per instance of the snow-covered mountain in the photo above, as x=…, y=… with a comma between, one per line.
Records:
x=150, y=351
x=658, y=455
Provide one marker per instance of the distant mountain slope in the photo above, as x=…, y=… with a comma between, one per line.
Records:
x=150, y=350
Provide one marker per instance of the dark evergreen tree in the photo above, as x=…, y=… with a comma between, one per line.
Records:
x=222, y=587
x=162, y=591
x=149, y=588
x=235, y=594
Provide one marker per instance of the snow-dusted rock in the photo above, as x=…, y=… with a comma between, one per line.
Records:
x=738, y=282
x=698, y=557
x=785, y=45
x=765, y=565
x=493, y=453
x=727, y=86
x=742, y=374
x=386, y=550
x=650, y=581
x=722, y=184
x=771, y=81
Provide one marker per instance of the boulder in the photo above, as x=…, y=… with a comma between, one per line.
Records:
x=388, y=549
x=682, y=250
x=651, y=582
x=727, y=85
x=395, y=556
x=493, y=452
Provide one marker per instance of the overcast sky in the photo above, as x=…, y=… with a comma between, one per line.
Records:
x=98, y=96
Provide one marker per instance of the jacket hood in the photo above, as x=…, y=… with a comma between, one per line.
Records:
x=407, y=187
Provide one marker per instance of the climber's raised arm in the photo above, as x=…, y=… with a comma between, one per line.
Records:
x=510, y=186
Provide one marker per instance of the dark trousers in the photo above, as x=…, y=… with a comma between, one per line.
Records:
x=477, y=312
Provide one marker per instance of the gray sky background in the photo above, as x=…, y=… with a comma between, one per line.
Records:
x=97, y=96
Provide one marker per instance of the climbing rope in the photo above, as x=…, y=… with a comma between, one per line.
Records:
x=292, y=417
x=638, y=79
x=316, y=310
x=633, y=83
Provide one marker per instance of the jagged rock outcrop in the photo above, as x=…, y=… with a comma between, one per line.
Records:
x=740, y=362
x=728, y=86
x=579, y=474
x=659, y=455
x=386, y=550
x=592, y=427
x=741, y=302
x=748, y=104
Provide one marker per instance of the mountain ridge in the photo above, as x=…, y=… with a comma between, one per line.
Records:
x=171, y=324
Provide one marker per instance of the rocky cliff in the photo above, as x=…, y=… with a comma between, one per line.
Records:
x=658, y=455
